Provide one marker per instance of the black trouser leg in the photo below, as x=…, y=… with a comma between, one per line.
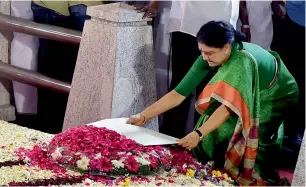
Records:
x=288, y=41
x=295, y=62
x=184, y=53
x=56, y=60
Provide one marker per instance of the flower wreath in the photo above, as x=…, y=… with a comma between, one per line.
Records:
x=105, y=152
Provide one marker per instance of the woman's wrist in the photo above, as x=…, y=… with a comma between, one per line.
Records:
x=201, y=131
x=143, y=117
x=199, y=134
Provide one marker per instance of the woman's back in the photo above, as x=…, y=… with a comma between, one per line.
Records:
x=266, y=64
x=275, y=82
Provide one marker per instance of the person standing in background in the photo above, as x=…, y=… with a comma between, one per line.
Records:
x=77, y=10
x=162, y=46
x=57, y=59
x=257, y=23
x=185, y=20
x=289, y=42
x=24, y=49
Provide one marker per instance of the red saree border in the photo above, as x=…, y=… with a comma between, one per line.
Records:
x=229, y=94
x=244, y=142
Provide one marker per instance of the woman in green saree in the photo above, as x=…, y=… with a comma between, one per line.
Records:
x=242, y=105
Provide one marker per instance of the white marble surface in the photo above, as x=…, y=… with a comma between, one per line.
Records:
x=141, y=135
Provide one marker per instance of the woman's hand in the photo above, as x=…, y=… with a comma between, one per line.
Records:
x=169, y=101
x=150, y=11
x=190, y=141
x=137, y=119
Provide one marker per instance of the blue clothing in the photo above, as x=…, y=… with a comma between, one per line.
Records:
x=78, y=15
x=296, y=11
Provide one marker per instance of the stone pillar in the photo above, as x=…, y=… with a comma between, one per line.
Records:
x=7, y=111
x=299, y=172
x=114, y=74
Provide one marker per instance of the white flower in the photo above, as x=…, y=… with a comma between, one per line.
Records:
x=145, y=155
x=83, y=163
x=88, y=182
x=77, y=154
x=26, y=159
x=120, y=153
x=13, y=137
x=117, y=164
x=193, y=166
x=143, y=161
x=98, y=156
x=23, y=174
x=57, y=153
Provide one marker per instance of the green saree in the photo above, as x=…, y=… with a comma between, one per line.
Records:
x=252, y=136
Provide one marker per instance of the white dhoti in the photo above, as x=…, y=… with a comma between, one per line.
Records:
x=260, y=20
x=24, y=49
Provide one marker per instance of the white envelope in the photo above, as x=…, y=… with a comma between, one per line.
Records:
x=141, y=135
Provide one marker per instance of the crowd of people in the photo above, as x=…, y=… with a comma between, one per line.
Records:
x=194, y=42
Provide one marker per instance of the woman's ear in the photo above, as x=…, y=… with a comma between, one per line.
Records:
x=227, y=48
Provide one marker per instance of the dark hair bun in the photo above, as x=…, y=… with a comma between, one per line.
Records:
x=219, y=33
x=240, y=37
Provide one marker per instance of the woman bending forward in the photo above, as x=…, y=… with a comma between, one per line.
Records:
x=242, y=106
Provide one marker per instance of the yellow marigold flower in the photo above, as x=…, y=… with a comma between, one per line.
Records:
x=190, y=173
x=19, y=136
x=225, y=176
x=218, y=174
x=126, y=182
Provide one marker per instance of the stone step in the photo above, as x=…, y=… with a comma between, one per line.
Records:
x=7, y=113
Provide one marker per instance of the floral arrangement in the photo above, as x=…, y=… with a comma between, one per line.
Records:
x=105, y=152
x=25, y=161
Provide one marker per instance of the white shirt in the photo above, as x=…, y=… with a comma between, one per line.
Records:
x=189, y=16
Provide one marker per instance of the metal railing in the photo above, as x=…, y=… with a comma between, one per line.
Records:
x=32, y=78
x=25, y=26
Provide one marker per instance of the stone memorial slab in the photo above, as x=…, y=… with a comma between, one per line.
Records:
x=114, y=75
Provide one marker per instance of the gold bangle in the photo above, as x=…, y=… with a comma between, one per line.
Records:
x=144, y=118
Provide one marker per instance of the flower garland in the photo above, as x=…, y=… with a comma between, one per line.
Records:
x=25, y=161
x=103, y=151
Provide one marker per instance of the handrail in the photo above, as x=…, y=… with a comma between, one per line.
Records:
x=42, y=30
x=32, y=78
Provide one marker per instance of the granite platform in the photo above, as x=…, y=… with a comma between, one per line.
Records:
x=114, y=74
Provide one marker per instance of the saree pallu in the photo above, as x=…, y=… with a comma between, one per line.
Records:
x=253, y=134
